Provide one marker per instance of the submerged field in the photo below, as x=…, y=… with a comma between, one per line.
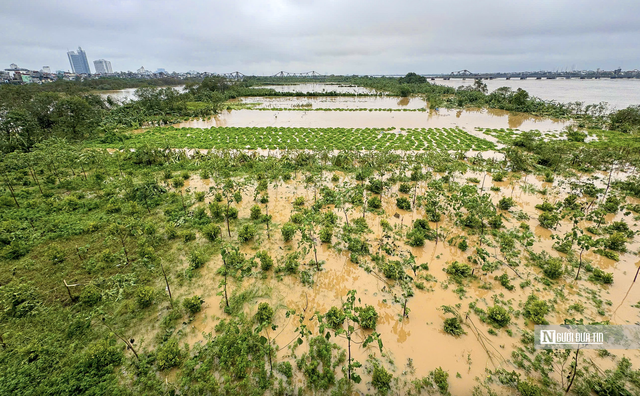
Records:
x=262, y=252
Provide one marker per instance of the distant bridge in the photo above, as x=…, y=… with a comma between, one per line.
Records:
x=466, y=74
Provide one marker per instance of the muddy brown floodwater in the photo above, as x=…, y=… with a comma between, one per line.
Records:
x=419, y=339
x=468, y=119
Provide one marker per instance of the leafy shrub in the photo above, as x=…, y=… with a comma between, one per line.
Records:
x=90, y=295
x=457, y=269
x=374, y=202
x=504, y=281
x=292, y=263
x=498, y=316
x=256, y=212
x=453, y=326
x=326, y=233
x=145, y=296
x=368, y=317
x=19, y=300
x=247, y=233
x=535, y=310
x=169, y=355
x=499, y=176
x=200, y=196
x=193, y=305
x=440, y=377
x=375, y=186
x=335, y=317
x=197, y=259
x=393, y=270
x=616, y=242
x=264, y=314
x=526, y=388
x=462, y=245
x=212, y=232
x=405, y=188
x=217, y=211
x=381, y=379
x=599, y=276
x=266, y=262
x=286, y=369
x=548, y=220
x=553, y=268
x=415, y=238
x=237, y=196
x=299, y=201
x=288, y=231
x=403, y=203
x=188, y=236
x=506, y=203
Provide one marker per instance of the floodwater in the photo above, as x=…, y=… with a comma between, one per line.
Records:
x=418, y=339
x=468, y=119
x=619, y=93
x=127, y=94
x=341, y=102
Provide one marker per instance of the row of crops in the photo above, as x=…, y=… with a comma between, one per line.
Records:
x=310, y=138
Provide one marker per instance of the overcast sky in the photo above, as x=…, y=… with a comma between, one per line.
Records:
x=335, y=36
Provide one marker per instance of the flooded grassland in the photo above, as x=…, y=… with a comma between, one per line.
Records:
x=416, y=344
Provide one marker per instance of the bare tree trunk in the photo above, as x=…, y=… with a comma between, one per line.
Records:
x=575, y=370
x=167, y=282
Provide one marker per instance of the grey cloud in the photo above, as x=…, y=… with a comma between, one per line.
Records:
x=352, y=36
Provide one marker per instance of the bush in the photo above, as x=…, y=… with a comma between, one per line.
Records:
x=247, y=233
x=217, y=211
x=200, y=196
x=90, y=295
x=256, y=212
x=291, y=263
x=415, y=238
x=528, y=389
x=381, y=379
x=299, y=201
x=499, y=316
x=462, y=245
x=188, y=236
x=368, y=317
x=193, y=305
x=374, y=202
x=457, y=269
x=264, y=314
x=405, y=188
x=553, y=268
x=288, y=231
x=326, y=233
x=335, y=317
x=440, y=377
x=453, y=326
x=196, y=259
x=212, y=232
x=403, y=203
x=169, y=355
x=393, y=270
x=548, y=220
x=506, y=203
x=145, y=296
x=599, y=276
x=535, y=310
x=616, y=242
x=55, y=254
x=266, y=262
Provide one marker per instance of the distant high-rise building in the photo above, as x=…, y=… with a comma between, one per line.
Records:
x=78, y=61
x=102, y=66
x=46, y=69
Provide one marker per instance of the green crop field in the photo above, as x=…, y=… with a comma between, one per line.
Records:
x=307, y=138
